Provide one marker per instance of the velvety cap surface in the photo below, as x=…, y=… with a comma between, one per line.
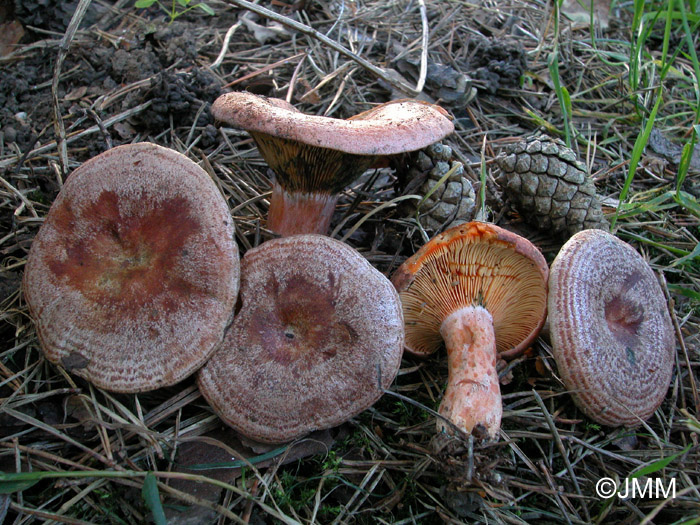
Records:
x=474, y=264
x=133, y=276
x=394, y=127
x=318, y=336
x=611, y=332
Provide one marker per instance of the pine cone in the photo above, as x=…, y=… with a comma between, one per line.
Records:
x=452, y=201
x=549, y=186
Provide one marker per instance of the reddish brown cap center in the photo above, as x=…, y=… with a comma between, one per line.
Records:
x=123, y=261
x=301, y=328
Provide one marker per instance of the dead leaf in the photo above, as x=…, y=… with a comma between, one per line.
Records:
x=10, y=35
x=539, y=366
x=217, y=455
x=274, y=31
x=125, y=130
x=74, y=361
x=579, y=11
x=76, y=94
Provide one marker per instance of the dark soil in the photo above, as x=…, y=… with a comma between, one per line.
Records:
x=178, y=89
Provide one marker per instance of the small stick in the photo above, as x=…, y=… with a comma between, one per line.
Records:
x=92, y=129
x=263, y=70
x=20, y=196
x=560, y=446
x=424, y=47
x=224, y=46
x=293, y=80
x=59, y=128
x=681, y=341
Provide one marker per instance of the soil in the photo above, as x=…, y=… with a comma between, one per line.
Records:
x=176, y=86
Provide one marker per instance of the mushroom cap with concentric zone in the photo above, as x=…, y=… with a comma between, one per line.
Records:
x=474, y=264
x=317, y=339
x=395, y=127
x=133, y=276
x=611, y=332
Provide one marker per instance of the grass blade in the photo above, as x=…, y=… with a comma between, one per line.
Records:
x=657, y=465
x=151, y=496
x=10, y=486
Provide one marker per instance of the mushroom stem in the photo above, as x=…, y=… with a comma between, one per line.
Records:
x=473, y=394
x=297, y=212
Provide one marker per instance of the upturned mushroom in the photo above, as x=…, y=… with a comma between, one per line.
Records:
x=610, y=329
x=314, y=158
x=317, y=339
x=133, y=276
x=481, y=290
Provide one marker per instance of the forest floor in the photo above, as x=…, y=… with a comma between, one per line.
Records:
x=605, y=82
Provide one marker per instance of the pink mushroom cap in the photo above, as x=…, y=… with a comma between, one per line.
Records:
x=611, y=332
x=133, y=276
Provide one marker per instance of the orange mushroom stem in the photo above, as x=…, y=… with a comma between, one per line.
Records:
x=473, y=394
x=293, y=212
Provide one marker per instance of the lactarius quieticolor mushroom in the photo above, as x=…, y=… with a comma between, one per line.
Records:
x=610, y=328
x=483, y=291
x=315, y=157
x=133, y=276
x=317, y=339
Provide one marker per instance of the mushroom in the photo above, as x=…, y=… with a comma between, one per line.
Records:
x=317, y=339
x=610, y=329
x=315, y=157
x=483, y=291
x=133, y=276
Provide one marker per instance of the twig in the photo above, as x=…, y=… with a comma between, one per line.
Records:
x=293, y=81
x=264, y=69
x=679, y=336
x=19, y=195
x=424, y=47
x=224, y=46
x=51, y=430
x=303, y=28
x=59, y=128
x=560, y=446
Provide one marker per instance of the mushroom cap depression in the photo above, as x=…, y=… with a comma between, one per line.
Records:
x=474, y=264
x=611, y=332
x=395, y=127
x=133, y=276
x=317, y=339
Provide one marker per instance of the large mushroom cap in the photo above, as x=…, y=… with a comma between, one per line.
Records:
x=394, y=127
x=611, y=332
x=133, y=276
x=318, y=337
x=468, y=265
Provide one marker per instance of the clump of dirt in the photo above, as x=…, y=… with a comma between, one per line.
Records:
x=180, y=91
x=184, y=97
x=15, y=98
x=497, y=63
x=52, y=15
x=176, y=44
x=131, y=66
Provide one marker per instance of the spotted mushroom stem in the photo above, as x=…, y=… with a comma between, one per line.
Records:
x=295, y=212
x=473, y=394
